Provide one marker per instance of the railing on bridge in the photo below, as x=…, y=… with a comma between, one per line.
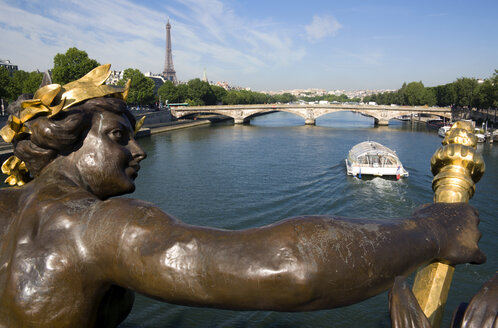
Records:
x=310, y=112
x=168, y=106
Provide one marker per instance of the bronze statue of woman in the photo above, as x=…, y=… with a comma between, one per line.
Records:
x=72, y=256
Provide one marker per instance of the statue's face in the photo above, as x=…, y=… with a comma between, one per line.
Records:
x=108, y=160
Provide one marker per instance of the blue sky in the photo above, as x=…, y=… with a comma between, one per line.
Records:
x=264, y=45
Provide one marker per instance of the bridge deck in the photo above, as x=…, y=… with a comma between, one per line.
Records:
x=316, y=106
x=310, y=112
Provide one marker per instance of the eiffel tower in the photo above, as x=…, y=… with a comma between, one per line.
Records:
x=169, y=71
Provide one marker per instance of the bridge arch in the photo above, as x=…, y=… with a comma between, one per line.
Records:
x=297, y=113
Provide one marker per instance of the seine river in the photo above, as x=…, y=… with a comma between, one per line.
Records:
x=237, y=177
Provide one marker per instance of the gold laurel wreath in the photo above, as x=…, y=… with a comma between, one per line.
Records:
x=16, y=170
x=49, y=100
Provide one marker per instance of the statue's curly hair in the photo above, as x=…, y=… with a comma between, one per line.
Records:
x=61, y=134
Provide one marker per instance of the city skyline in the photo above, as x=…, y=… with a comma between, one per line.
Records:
x=266, y=46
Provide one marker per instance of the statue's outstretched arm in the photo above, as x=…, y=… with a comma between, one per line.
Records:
x=304, y=263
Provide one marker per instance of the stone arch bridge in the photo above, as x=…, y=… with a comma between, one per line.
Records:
x=310, y=112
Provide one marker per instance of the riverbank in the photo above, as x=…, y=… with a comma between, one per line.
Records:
x=154, y=128
x=169, y=126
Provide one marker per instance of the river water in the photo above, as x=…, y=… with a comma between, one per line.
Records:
x=237, y=177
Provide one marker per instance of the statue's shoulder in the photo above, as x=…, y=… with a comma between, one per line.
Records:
x=118, y=221
x=133, y=211
x=129, y=205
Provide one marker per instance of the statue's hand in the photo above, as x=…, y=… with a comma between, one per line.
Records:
x=454, y=226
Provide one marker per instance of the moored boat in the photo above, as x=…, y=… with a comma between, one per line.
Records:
x=404, y=117
x=480, y=135
x=372, y=158
x=443, y=130
x=434, y=124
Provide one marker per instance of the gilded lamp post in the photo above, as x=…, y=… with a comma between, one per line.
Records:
x=456, y=167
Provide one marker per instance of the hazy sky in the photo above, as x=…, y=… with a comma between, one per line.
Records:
x=265, y=45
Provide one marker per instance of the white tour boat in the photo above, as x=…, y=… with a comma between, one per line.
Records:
x=372, y=158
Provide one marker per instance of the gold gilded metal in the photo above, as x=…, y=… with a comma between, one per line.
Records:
x=91, y=86
x=456, y=167
x=461, y=133
x=16, y=170
x=12, y=128
x=139, y=124
x=50, y=100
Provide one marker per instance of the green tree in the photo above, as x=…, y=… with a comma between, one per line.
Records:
x=141, y=89
x=231, y=98
x=488, y=92
x=24, y=82
x=169, y=92
x=415, y=94
x=11, y=87
x=32, y=82
x=285, y=98
x=401, y=94
x=4, y=82
x=182, y=92
x=412, y=93
x=16, y=81
x=428, y=97
x=219, y=93
x=200, y=93
x=368, y=98
x=445, y=95
x=72, y=65
x=388, y=98
x=245, y=97
x=466, y=91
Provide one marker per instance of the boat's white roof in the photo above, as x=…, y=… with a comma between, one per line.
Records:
x=371, y=147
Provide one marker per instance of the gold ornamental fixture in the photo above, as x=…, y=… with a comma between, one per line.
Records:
x=456, y=167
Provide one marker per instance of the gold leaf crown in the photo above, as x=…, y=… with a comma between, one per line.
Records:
x=49, y=100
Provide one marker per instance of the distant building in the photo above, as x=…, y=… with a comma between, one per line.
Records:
x=8, y=65
x=224, y=85
x=115, y=77
x=158, y=80
x=204, y=77
x=321, y=92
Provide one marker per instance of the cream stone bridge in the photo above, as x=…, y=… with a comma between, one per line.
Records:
x=310, y=112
